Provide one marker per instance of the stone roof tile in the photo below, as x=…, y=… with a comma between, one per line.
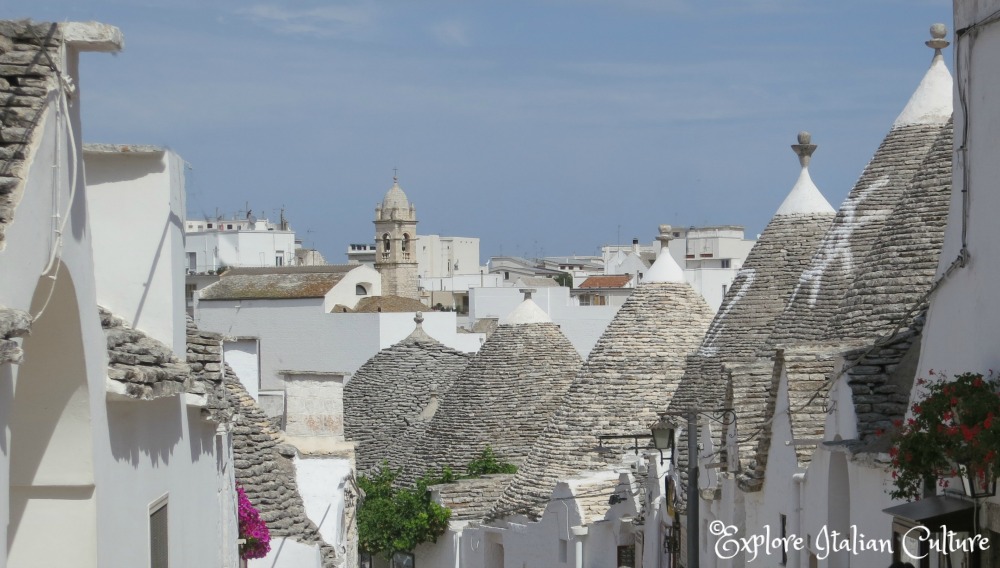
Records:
x=28, y=52
x=393, y=389
x=267, y=476
x=631, y=371
x=13, y=324
x=503, y=398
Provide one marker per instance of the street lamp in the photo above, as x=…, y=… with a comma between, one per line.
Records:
x=663, y=439
x=981, y=483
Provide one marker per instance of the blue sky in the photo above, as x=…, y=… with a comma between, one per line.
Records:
x=543, y=127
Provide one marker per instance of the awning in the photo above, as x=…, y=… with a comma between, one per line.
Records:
x=933, y=512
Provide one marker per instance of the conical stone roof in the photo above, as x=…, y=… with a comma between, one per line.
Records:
x=503, y=398
x=392, y=389
x=829, y=299
x=755, y=300
x=630, y=374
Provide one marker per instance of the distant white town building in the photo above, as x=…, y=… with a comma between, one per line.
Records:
x=710, y=256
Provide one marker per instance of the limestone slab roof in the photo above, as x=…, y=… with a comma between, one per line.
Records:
x=271, y=286
x=854, y=231
x=629, y=376
x=28, y=73
x=266, y=471
x=471, y=499
x=868, y=279
x=881, y=378
x=902, y=264
x=13, y=324
x=394, y=389
x=503, y=398
x=147, y=369
x=614, y=281
x=745, y=320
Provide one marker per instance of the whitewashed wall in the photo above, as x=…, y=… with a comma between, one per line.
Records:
x=299, y=335
x=135, y=200
x=288, y=553
x=128, y=455
x=214, y=249
x=582, y=325
x=345, y=292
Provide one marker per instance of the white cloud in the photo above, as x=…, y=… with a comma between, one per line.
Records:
x=451, y=32
x=319, y=21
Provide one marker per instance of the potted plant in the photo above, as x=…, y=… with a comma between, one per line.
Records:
x=954, y=431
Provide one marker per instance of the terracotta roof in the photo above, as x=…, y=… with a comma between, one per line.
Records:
x=393, y=389
x=630, y=374
x=615, y=281
x=28, y=52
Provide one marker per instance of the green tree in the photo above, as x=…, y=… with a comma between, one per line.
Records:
x=487, y=463
x=565, y=279
x=399, y=519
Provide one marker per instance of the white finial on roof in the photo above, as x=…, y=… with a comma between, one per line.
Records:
x=527, y=312
x=805, y=197
x=665, y=268
x=418, y=333
x=931, y=103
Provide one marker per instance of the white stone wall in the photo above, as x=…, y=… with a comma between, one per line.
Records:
x=964, y=319
x=289, y=553
x=214, y=249
x=314, y=406
x=582, y=325
x=135, y=200
x=300, y=335
x=345, y=292
x=438, y=257
x=99, y=508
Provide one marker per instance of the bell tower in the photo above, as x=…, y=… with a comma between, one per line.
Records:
x=395, y=243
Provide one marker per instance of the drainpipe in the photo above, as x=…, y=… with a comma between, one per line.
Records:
x=795, y=522
x=579, y=532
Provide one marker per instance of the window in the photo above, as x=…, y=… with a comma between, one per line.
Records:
x=406, y=242
x=725, y=263
x=279, y=258
x=360, y=290
x=192, y=261
x=403, y=560
x=506, y=275
x=386, y=243
x=189, y=290
x=209, y=225
x=229, y=227
x=784, y=535
x=724, y=290
x=626, y=556
x=158, y=534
